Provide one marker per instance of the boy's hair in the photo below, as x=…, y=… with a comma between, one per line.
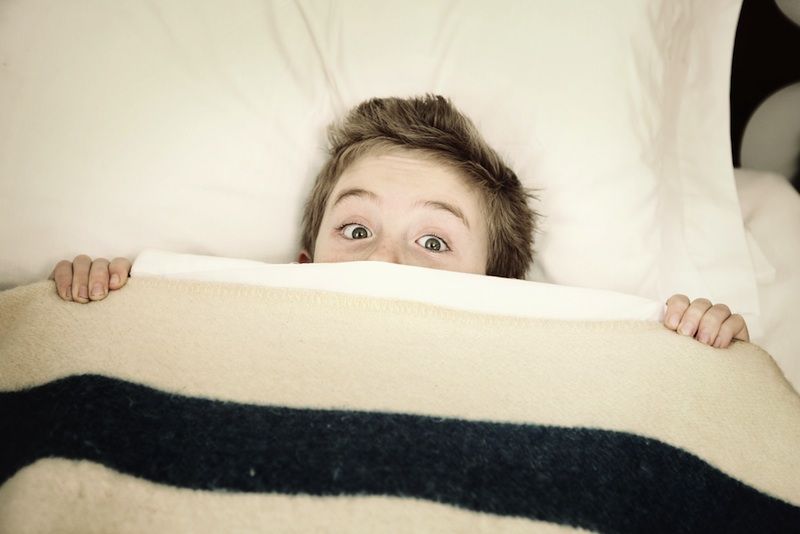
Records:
x=433, y=127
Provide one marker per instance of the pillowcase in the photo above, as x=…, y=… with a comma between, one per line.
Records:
x=199, y=127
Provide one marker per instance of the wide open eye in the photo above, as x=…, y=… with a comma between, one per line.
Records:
x=356, y=231
x=433, y=243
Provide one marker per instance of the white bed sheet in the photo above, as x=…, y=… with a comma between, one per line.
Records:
x=771, y=213
x=470, y=292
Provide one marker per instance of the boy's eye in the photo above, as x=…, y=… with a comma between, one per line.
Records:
x=433, y=243
x=355, y=231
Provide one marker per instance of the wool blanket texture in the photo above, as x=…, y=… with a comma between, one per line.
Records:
x=185, y=406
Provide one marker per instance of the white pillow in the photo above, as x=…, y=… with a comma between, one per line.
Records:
x=198, y=126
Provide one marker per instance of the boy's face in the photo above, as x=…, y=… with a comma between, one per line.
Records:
x=400, y=207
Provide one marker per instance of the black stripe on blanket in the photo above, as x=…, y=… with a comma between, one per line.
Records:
x=594, y=479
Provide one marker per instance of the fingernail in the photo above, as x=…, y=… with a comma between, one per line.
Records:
x=68, y=293
x=703, y=338
x=115, y=279
x=97, y=290
x=687, y=329
x=83, y=292
x=672, y=322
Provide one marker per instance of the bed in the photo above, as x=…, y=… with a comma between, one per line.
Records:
x=226, y=388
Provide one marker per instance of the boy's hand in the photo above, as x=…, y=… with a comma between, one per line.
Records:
x=710, y=324
x=82, y=279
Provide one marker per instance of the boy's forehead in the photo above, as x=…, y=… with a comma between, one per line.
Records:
x=412, y=177
x=395, y=157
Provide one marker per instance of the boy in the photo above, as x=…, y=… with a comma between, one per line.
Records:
x=411, y=181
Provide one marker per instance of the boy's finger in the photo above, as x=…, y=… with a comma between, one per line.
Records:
x=62, y=274
x=119, y=270
x=743, y=334
x=80, y=278
x=734, y=327
x=676, y=306
x=98, y=279
x=692, y=315
x=711, y=322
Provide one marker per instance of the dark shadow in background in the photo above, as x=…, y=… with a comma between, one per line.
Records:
x=766, y=58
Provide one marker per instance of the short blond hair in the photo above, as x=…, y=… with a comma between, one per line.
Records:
x=432, y=126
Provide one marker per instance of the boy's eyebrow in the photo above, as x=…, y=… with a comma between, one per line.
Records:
x=355, y=192
x=435, y=204
x=455, y=210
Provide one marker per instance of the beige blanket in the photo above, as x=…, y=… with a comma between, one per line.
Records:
x=179, y=406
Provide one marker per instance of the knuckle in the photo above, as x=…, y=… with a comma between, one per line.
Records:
x=98, y=271
x=62, y=272
x=81, y=258
x=701, y=302
x=81, y=264
x=121, y=266
x=722, y=309
x=678, y=299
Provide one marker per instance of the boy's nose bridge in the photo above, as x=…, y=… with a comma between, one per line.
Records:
x=387, y=250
